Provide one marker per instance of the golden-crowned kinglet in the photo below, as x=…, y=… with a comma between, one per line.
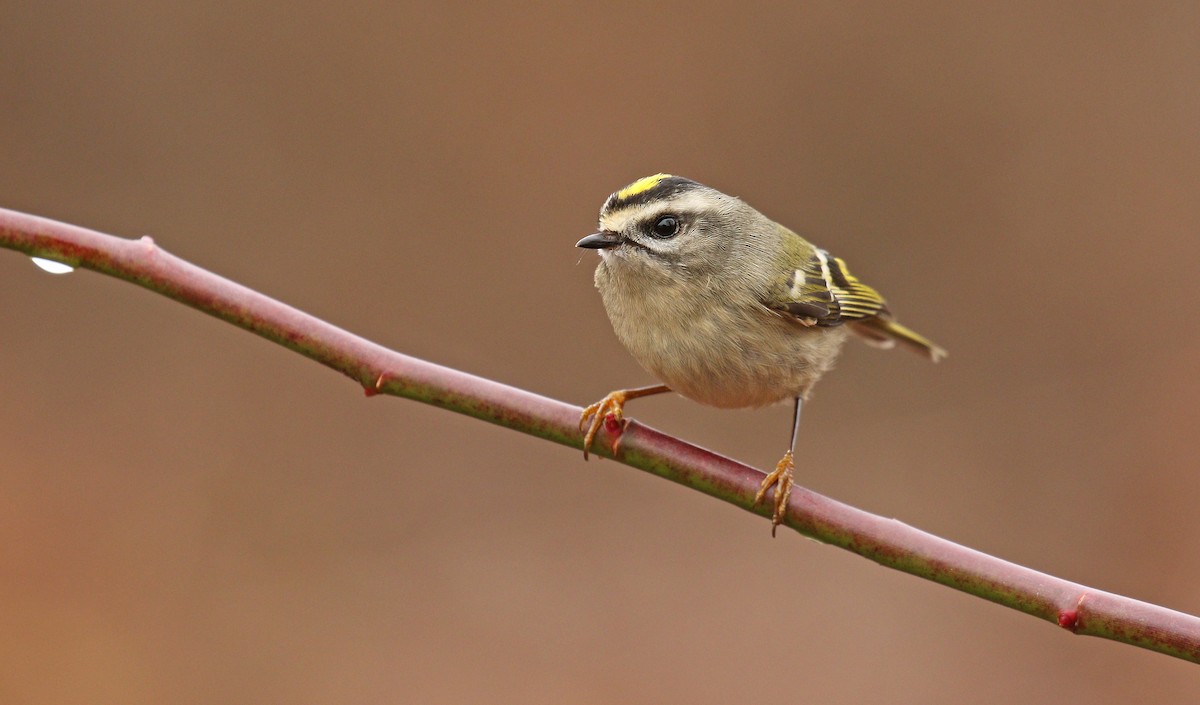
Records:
x=726, y=306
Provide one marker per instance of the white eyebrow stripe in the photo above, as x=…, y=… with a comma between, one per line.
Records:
x=691, y=202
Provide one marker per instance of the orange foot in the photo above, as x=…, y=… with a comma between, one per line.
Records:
x=781, y=480
x=610, y=407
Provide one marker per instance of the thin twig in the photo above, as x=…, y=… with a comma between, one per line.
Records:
x=1079, y=609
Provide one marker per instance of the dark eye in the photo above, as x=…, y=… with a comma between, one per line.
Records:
x=665, y=227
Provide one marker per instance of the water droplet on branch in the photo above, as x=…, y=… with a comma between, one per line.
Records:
x=51, y=266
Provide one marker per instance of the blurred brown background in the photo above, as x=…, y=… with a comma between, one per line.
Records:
x=190, y=515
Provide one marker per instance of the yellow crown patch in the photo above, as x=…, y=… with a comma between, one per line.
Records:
x=640, y=186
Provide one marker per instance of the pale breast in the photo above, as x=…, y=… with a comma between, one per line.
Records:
x=729, y=354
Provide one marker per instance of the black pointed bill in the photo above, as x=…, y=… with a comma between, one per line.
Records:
x=602, y=240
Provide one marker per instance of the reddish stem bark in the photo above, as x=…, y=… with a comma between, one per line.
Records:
x=1077, y=608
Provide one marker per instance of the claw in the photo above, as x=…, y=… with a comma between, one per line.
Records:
x=781, y=478
x=609, y=413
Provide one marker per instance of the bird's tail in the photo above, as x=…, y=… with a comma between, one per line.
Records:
x=884, y=332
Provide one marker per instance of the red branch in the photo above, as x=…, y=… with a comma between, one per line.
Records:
x=1079, y=609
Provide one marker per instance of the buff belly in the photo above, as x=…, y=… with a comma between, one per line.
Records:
x=731, y=355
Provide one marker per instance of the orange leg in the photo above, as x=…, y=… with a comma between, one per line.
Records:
x=782, y=477
x=782, y=480
x=612, y=405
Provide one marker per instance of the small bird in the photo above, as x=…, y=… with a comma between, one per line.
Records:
x=726, y=307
